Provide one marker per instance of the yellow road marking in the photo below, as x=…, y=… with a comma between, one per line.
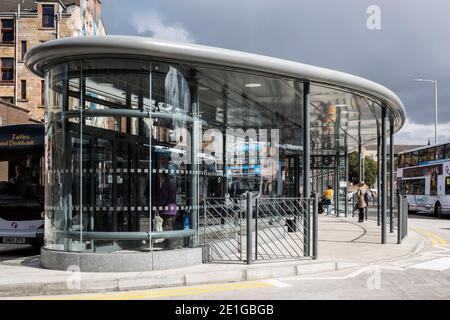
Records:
x=435, y=239
x=165, y=293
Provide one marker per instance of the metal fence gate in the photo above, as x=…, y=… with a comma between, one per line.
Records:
x=222, y=225
x=261, y=229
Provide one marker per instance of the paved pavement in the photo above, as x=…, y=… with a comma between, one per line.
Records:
x=345, y=247
x=424, y=274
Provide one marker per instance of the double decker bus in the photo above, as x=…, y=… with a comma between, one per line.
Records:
x=22, y=184
x=423, y=175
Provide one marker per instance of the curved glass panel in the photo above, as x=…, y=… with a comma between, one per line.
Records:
x=135, y=146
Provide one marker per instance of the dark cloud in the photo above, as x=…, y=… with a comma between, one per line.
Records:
x=414, y=40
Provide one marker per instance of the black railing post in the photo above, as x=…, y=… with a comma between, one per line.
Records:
x=316, y=227
x=383, y=175
x=391, y=176
x=206, y=257
x=256, y=228
x=249, y=216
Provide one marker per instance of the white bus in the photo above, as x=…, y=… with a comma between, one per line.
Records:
x=424, y=177
x=22, y=184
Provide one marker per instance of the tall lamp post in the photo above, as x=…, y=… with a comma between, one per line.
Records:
x=435, y=107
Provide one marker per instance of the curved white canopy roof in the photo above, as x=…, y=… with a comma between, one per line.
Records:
x=39, y=57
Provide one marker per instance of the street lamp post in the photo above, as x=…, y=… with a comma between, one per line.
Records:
x=435, y=106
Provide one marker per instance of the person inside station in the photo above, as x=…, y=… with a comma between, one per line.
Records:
x=167, y=206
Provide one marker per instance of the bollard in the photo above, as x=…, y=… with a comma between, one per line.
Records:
x=316, y=227
x=353, y=205
x=249, y=227
x=405, y=215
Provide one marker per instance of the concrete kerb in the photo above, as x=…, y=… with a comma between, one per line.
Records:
x=422, y=245
x=243, y=273
x=257, y=271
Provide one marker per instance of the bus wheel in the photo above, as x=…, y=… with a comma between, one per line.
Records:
x=438, y=210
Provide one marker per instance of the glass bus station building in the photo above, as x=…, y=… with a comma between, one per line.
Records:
x=138, y=128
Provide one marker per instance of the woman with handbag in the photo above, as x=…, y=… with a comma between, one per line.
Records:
x=362, y=204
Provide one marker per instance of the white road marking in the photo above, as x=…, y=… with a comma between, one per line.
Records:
x=277, y=283
x=354, y=274
x=439, y=264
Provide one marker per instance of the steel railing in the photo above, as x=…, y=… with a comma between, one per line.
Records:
x=253, y=229
x=222, y=226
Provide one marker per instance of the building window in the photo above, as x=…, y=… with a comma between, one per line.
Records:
x=8, y=99
x=24, y=49
x=7, y=69
x=447, y=185
x=48, y=16
x=42, y=92
x=7, y=30
x=23, y=89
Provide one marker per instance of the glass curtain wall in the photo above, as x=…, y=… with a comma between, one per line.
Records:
x=117, y=160
x=340, y=119
x=252, y=134
x=135, y=146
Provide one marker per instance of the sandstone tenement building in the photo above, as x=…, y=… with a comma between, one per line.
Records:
x=27, y=23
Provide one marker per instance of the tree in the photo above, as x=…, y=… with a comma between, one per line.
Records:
x=370, y=169
x=353, y=167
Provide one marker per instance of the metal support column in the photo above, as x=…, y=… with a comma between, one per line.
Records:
x=306, y=159
x=337, y=184
x=346, y=177
x=306, y=141
x=360, y=173
x=399, y=219
x=383, y=174
x=195, y=145
x=378, y=176
x=391, y=177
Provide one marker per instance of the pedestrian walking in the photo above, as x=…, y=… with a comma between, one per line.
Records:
x=328, y=198
x=362, y=204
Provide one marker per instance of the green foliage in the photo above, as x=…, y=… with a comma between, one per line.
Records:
x=370, y=169
x=353, y=167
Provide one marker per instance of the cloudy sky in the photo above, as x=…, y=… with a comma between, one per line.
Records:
x=413, y=42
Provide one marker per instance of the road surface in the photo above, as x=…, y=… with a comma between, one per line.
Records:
x=423, y=276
